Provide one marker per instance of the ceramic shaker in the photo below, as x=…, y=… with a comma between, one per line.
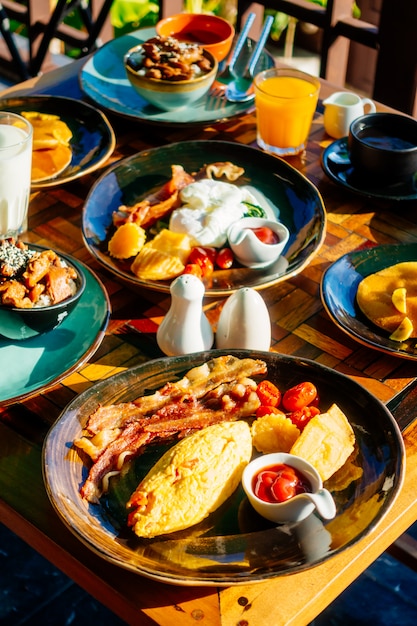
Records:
x=185, y=328
x=244, y=322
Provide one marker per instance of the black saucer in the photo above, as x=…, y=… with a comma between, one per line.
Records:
x=336, y=164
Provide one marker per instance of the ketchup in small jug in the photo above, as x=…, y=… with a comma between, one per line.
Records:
x=279, y=483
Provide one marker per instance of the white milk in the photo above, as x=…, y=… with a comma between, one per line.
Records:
x=15, y=172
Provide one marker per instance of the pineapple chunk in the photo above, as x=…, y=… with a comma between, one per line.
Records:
x=399, y=299
x=404, y=330
x=326, y=442
x=274, y=433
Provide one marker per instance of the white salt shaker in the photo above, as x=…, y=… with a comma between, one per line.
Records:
x=185, y=328
x=244, y=322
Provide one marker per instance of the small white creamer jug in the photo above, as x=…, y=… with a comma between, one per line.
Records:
x=341, y=108
x=185, y=328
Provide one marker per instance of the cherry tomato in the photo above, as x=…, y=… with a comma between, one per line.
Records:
x=200, y=256
x=193, y=268
x=224, y=259
x=264, y=409
x=266, y=235
x=278, y=483
x=268, y=393
x=301, y=417
x=299, y=396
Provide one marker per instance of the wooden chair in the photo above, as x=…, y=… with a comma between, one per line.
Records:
x=393, y=38
x=42, y=25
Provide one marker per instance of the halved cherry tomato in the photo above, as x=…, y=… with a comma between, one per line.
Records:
x=299, y=396
x=279, y=483
x=266, y=235
x=224, y=259
x=193, y=268
x=266, y=409
x=301, y=417
x=268, y=393
x=200, y=256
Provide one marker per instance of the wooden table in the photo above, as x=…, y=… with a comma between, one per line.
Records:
x=300, y=327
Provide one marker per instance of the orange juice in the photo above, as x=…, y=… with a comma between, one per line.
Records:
x=285, y=104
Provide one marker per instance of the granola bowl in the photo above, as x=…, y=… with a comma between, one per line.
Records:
x=169, y=94
x=45, y=313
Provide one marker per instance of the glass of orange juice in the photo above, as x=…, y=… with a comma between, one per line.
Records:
x=286, y=100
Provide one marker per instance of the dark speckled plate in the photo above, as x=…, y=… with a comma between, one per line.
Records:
x=287, y=195
x=338, y=292
x=233, y=545
x=92, y=141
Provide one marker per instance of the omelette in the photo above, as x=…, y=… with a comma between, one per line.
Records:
x=191, y=480
x=389, y=299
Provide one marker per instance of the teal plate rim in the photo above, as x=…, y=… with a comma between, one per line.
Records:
x=36, y=364
x=103, y=79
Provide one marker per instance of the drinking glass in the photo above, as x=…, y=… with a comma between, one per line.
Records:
x=286, y=100
x=15, y=172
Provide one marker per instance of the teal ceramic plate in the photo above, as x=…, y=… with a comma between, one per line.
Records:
x=288, y=195
x=338, y=291
x=233, y=545
x=103, y=79
x=93, y=139
x=336, y=164
x=35, y=364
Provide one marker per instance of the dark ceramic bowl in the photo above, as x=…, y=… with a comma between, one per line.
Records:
x=384, y=146
x=19, y=324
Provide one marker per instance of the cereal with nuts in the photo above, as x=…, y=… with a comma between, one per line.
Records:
x=31, y=278
x=166, y=58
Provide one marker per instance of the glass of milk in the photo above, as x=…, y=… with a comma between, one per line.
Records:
x=15, y=172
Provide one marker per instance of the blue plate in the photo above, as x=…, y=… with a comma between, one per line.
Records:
x=289, y=196
x=35, y=364
x=338, y=291
x=103, y=79
x=92, y=141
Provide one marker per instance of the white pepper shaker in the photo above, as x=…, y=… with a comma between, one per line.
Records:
x=244, y=322
x=185, y=328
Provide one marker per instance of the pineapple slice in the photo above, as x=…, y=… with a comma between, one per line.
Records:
x=399, y=299
x=403, y=331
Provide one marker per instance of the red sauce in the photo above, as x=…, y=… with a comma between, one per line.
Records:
x=279, y=483
x=266, y=235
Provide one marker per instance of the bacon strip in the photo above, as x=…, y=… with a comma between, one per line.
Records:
x=195, y=384
x=175, y=420
x=153, y=207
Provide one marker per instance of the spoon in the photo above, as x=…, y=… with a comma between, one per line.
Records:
x=241, y=89
x=226, y=74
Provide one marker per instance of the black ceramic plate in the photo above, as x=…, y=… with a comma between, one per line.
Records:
x=93, y=140
x=286, y=193
x=336, y=164
x=338, y=291
x=233, y=545
x=103, y=79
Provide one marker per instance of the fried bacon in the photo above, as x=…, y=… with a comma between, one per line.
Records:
x=178, y=409
x=196, y=383
x=159, y=204
x=153, y=207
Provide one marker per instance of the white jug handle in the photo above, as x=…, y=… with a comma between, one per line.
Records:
x=369, y=104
